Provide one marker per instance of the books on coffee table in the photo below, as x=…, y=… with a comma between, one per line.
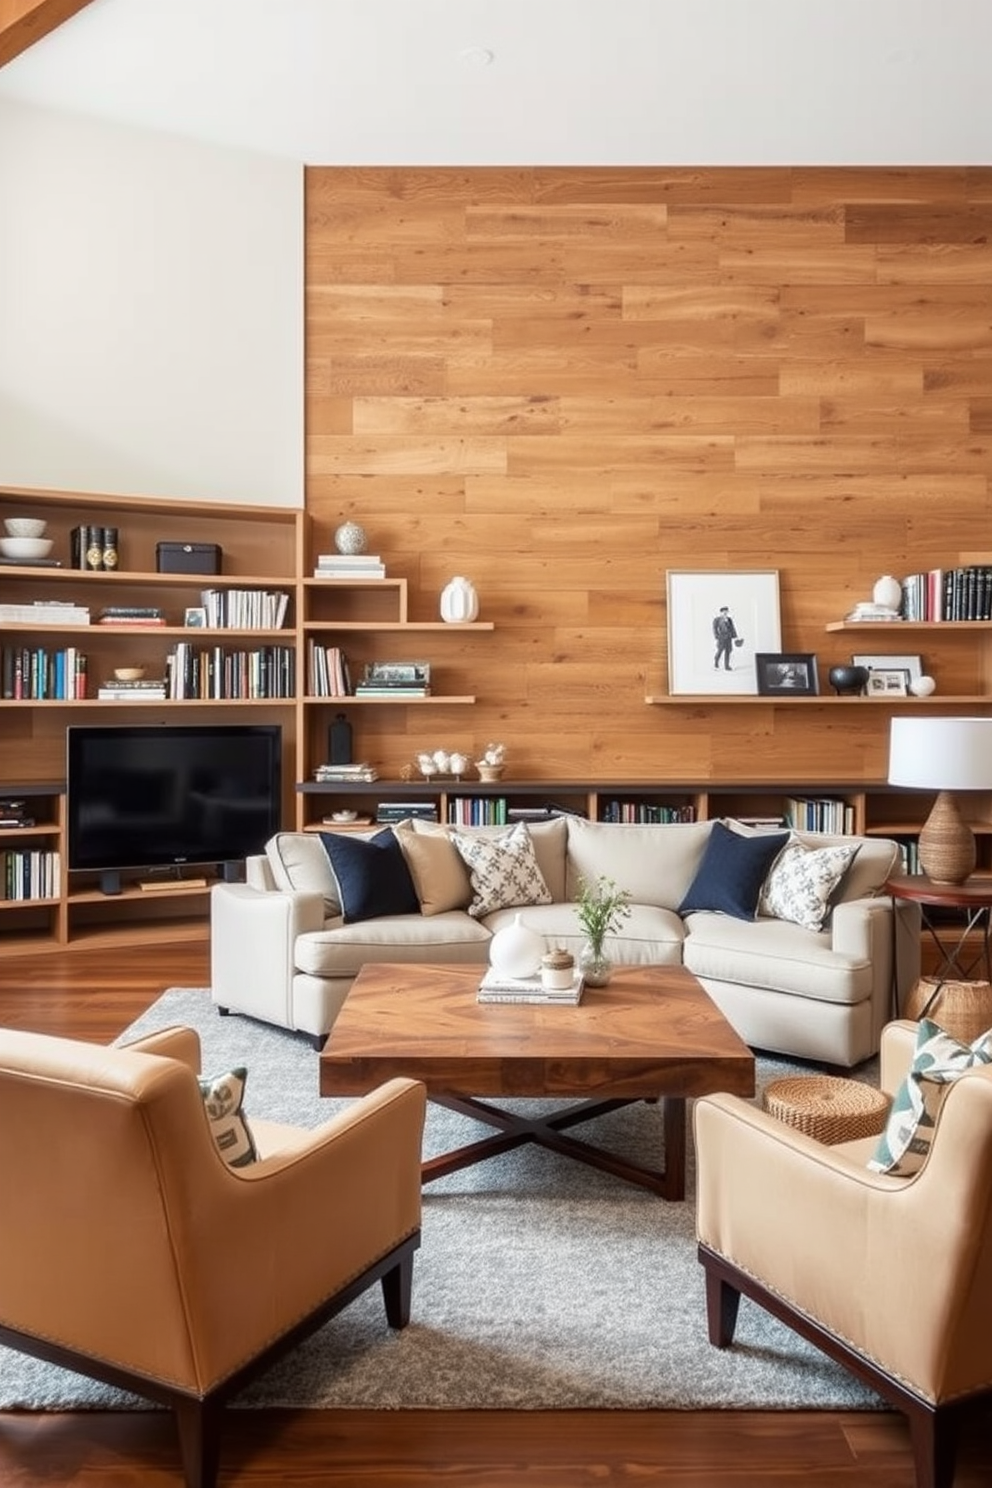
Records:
x=495, y=987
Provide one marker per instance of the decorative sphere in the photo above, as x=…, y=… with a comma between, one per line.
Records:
x=922, y=686
x=350, y=538
x=848, y=680
x=516, y=950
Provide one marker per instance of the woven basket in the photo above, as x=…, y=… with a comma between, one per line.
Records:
x=962, y=1009
x=828, y=1107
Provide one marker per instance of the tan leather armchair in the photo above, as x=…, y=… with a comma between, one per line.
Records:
x=892, y=1277
x=130, y=1252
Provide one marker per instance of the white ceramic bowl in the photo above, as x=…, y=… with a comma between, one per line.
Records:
x=129, y=674
x=25, y=547
x=344, y=816
x=25, y=526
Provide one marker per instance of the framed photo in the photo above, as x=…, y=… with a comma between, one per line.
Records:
x=911, y=664
x=787, y=674
x=717, y=623
x=892, y=682
x=196, y=617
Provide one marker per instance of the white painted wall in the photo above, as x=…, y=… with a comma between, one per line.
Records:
x=151, y=313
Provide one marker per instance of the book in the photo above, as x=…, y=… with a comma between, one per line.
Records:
x=496, y=987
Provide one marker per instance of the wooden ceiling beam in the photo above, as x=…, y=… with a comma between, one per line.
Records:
x=23, y=22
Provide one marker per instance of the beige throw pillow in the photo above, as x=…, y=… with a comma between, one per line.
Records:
x=439, y=875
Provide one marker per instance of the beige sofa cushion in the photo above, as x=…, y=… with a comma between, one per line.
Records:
x=342, y=950
x=298, y=862
x=655, y=864
x=438, y=871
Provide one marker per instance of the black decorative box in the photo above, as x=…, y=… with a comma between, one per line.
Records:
x=191, y=558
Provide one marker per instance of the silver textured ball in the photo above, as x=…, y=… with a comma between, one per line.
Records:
x=350, y=538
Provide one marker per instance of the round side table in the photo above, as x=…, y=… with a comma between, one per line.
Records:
x=827, y=1107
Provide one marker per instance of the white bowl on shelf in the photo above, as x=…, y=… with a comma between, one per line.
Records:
x=344, y=816
x=25, y=526
x=25, y=547
x=129, y=674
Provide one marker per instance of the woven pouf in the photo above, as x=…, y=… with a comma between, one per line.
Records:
x=962, y=1009
x=828, y=1107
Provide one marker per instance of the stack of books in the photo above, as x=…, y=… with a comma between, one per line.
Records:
x=349, y=566
x=495, y=987
x=132, y=615
x=14, y=813
x=394, y=811
x=360, y=773
x=45, y=612
x=395, y=679
x=141, y=690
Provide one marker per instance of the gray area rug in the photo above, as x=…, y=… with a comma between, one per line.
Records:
x=541, y=1283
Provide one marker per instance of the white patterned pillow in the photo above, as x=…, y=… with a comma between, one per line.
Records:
x=503, y=871
x=801, y=881
x=222, y=1099
x=939, y=1060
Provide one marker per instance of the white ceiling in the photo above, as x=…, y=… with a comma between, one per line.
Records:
x=531, y=82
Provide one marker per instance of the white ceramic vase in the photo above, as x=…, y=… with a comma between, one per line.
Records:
x=922, y=687
x=516, y=950
x=459, y=601
x=888, y=592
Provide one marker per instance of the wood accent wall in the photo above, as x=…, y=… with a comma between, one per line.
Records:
x=563, y=382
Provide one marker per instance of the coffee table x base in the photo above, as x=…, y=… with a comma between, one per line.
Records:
x=548, y=1130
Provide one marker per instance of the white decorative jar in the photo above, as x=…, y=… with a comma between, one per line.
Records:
x=516, y=950
x=459, y=601
x=887, y=592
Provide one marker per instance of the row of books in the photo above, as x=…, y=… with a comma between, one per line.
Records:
x=31, y=874
x=963, y=593
x=644, y=812
x=38, y=675
x=816, y=815
x=327, y=671
x=214, y=672
x=245, y=609
x=477, y=811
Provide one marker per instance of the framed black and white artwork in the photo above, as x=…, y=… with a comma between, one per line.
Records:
x=718, y=622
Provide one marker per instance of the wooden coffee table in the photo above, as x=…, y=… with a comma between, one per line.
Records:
x=651, y=1034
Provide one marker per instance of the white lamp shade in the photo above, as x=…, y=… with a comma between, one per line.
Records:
x=941, y=753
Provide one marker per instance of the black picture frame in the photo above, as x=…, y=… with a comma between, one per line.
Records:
x=787, y=674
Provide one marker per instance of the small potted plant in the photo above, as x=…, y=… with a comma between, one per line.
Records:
x=601, y=908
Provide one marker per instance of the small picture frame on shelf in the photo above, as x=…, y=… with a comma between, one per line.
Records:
x=888, y=682
x=911, y=664
x=195, y=618
x=786, y=674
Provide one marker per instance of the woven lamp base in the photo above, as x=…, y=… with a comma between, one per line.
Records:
x=946, y=844
x=827, y=1107
x=962, y=1009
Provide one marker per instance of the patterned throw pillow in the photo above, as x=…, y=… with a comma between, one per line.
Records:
x=801, y=882
x=503, y=871
x=222, y=1099
x=939, y=1060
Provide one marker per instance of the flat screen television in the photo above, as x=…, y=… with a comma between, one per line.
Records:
x=161, y=796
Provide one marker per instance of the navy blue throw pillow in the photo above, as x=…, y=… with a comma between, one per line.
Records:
x=372, y=875
x=731, y=872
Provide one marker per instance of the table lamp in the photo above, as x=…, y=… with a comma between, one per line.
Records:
x=946, y=755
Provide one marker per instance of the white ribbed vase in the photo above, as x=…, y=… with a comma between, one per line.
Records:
x=459, y=601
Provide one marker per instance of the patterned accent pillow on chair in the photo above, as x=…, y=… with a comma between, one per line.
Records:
x=503, y=871
x=939, y=1060
x=223, y=1096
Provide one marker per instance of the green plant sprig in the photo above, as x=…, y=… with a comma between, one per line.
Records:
x=601, y=908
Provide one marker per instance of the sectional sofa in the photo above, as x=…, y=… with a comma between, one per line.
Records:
x=803, y=965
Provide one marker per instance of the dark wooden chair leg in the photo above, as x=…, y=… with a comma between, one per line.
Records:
x=198, y=1423
x=933, y=1435
x=722, y=1303
x=397, y=1292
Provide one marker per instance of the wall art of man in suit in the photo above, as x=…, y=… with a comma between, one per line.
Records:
x=724, y=633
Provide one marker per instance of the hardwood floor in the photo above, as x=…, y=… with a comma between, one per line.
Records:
x=94, y=996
